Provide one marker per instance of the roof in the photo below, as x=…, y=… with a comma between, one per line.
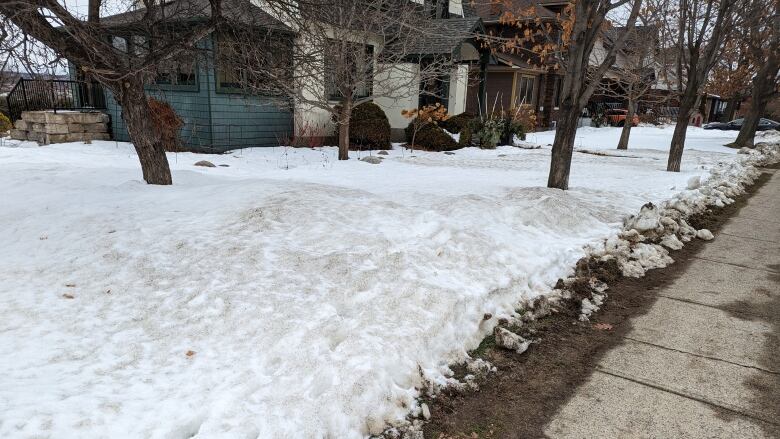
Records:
x=444, y=36
x=491, y=10
x=512, y=60
x=643, y=35
x=242, y=11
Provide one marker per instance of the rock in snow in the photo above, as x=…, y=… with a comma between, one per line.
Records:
x=205, y=164
x=426, y=412
x=705, y=235
x=371, y=159
x=509, y=340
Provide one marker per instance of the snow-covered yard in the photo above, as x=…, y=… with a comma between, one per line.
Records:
x=286, y=295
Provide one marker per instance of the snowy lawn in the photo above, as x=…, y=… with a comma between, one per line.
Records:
x=287, y=295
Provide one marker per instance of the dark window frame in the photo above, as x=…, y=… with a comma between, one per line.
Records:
x=331, y=91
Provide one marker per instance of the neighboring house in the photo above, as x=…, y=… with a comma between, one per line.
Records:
x=511, y=80
x=220, y=116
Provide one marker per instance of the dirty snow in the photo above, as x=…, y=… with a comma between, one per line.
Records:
x=287, y=294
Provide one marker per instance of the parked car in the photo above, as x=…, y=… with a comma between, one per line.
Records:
x=617, y=117
x=736, y=124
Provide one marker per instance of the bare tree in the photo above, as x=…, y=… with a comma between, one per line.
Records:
x=122, y=53
x=633, y=76
x=343, y=53
x=694, y=33
x=763, y=41
x=570, y=43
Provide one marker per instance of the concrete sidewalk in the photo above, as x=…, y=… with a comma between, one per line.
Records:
x=704, y=362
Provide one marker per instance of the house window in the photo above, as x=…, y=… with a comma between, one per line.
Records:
x=180, y=73
x=258, y=67
x=119, y=43
x=525, y=90
x=556, y=100
x=440, y=9
x=353, y=66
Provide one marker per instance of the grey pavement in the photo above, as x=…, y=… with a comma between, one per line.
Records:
x=704, y=361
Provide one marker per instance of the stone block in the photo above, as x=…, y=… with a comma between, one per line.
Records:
x=34, y=116
x=95, y=127
x=74, y=127
x=36, y=137
x=87, y=118
x=21, y=125
x=58, y=118
x=55, y=128
x=19, y=134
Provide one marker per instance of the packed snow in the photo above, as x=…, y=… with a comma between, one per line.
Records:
x=283, y=293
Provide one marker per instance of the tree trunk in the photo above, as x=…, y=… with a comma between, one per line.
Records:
x=763, y=86
x=626, y=132
x=563, y=147
x=680, y=130
x=144, y=135
x=344, y=116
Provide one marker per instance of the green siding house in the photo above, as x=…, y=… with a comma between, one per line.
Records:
x=217, y=117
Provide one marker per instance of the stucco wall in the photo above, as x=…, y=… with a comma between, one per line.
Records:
x=402, y=81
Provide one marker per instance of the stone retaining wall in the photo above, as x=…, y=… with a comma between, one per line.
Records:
x=47, y=127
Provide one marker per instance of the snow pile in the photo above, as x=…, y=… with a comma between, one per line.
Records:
x=289, y=294
x=646, y=236
x=520, y=143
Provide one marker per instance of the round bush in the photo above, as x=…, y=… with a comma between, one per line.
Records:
x=456, y=124
x=369, y=127
x=430, y=137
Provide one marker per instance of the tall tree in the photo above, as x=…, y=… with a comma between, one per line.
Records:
x=763, y=42
x=122, y=56
x=696, y=31
x=571, y=42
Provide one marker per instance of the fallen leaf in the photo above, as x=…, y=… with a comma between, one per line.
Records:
x=70, y=285
x=43, y=238
x=108, y=291
x=190, y=353
x=602, y=326
x=68, y=296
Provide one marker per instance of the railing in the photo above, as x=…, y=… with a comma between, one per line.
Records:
x=54, y=94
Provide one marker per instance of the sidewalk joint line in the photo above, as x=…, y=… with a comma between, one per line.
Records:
x=735, y=265
x=736, y=410
x=748, y=237
x=707, y=357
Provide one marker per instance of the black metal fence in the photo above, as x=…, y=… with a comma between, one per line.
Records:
x=54, y=94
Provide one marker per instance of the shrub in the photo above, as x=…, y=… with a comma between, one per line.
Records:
x=466, y=135
x=526, y=117
x=369, y=127
x=492, y=132
x=5, y=123
x=168, y=123
x=429, y=137
x=457, y=124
